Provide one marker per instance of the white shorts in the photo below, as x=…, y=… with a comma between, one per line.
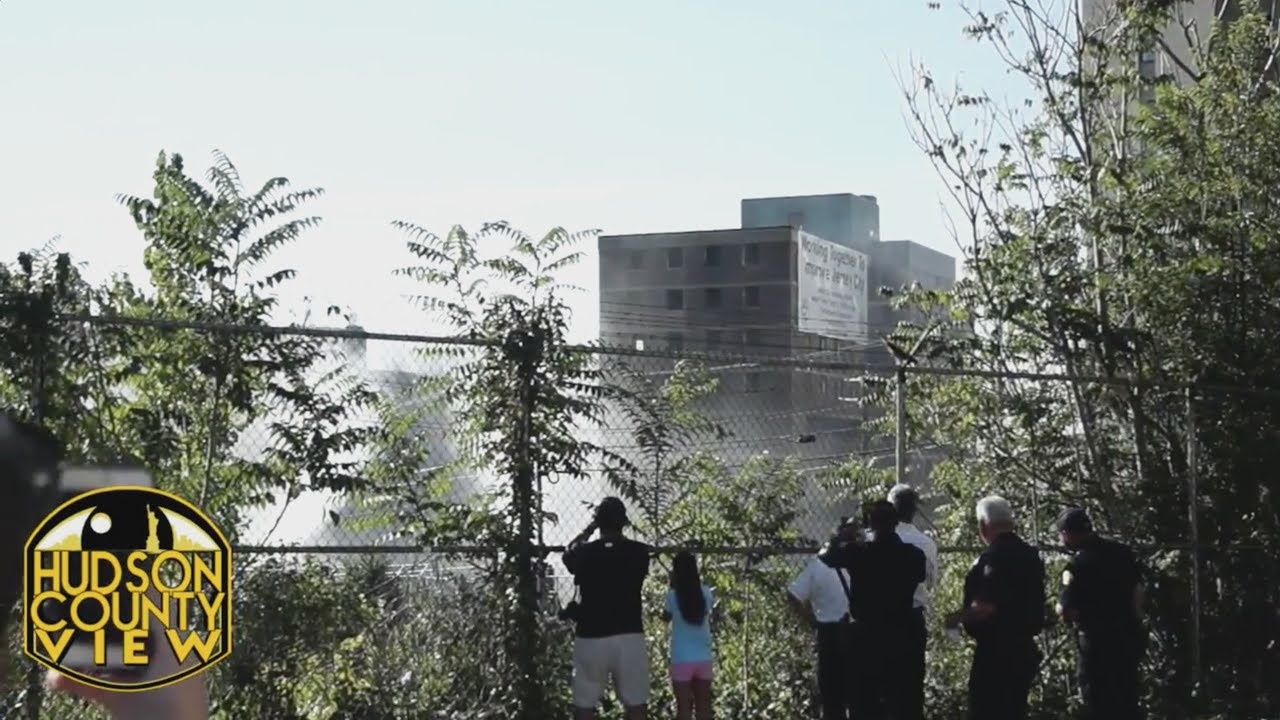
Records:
x=625, y=658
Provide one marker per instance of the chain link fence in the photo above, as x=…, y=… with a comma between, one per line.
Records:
x=350, y=603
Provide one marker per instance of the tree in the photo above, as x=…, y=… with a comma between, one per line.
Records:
x=1119, y=226
x=519, y=395
x=179, y=375
x=193, y=381
x=660, y=412
x=53, y=366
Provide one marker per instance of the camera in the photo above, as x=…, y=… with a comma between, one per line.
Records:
x=839, y=549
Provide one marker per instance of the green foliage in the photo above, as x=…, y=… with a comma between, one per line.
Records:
x=1124, y=227
x=660, y=411
x=155, y=378
x=53, y=367
x=187, y=395
x=524, y=380
x=520, y=400
x=692, y=498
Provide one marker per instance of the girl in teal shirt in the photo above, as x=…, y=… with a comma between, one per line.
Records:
x=689, y=607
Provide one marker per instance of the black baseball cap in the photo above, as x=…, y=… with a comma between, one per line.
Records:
x=612, y=512
x=1074, y=520
x=882, y=514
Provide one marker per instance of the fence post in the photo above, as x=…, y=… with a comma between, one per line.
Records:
x=526, y=348
x=900, y=424
x=1193, y=517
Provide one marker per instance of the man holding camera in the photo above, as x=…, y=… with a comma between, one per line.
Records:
x=883, y=575
x=609, y=643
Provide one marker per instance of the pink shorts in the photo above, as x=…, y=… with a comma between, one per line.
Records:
x=690, y=671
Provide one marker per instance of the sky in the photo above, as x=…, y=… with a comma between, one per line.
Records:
x=586, y=114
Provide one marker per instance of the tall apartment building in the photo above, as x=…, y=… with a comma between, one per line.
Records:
x=1192, y=21
x=751, y=291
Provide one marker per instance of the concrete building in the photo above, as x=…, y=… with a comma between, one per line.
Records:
x=705, y=290
x=854, y=222
x=738, y=288
x=1191, y=23
x=743, y=291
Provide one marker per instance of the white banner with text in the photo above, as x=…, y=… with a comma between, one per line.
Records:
x=832, y=289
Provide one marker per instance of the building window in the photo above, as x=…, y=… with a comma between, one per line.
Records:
x=712, y=297
x=675, y=299
x=751, y=339
x=712, y=256
x=751, y=254
x=713, y=339
x=751, y=296
x=675, y=258
x=752, y=382
x=635, y=260
x=675, y=342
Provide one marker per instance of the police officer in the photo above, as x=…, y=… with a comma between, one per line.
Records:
x=1004, y=610
x=1102, y=596
x=884, y=575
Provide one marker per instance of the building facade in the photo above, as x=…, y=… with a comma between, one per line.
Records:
x=742, y=291
x=1190, y=24
x=854, y=222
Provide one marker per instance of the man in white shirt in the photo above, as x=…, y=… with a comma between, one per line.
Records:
x=907, y=502
x=819, y=597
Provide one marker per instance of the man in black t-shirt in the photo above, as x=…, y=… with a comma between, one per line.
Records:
x=610, y=574
x=883, y=577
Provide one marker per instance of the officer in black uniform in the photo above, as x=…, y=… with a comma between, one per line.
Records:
x=1102, y=593
x=1004, y=610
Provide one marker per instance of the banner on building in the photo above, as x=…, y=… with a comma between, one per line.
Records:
x=832, y=289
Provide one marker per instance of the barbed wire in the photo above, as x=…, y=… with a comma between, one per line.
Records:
x=882, y=370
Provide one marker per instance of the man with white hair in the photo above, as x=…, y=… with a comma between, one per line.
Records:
x=906, y=503
x=1004, y=610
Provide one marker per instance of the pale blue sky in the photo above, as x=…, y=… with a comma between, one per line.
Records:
x=626, y=116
